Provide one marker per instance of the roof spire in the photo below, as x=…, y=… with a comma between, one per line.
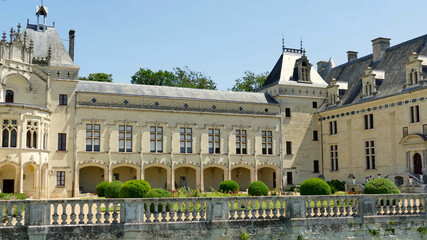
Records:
x=301, y=42
x=283, y=42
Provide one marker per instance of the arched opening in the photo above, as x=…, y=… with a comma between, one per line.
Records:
x=398, y=180
x=418, y=166
x=29, y=183
x=5, y=138
x=8, y=178
x=28, y=139
x=89, y=177
x=124, y=174
x=212, y=176
x=9, y=96
x=156, y=177
x=185, y=177
x=269, y=176
x=242, y=176
x=415, y=77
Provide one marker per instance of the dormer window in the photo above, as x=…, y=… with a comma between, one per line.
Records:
x=371, y=80
x=333, y=92
x=303, y=68
x=304, y=72
x=413, y=69
x=9, y=96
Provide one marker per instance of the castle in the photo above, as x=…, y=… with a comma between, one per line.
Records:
x=60, y=136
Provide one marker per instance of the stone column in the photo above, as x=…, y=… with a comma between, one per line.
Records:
x=21, y=179
x=172, y=177
x=198, y=178
x=202, y=176
x=2, y=92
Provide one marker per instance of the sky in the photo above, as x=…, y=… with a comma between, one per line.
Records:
x=222, y=38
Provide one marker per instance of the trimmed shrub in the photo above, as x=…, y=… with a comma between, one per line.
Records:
x=100, y=188
x=159, y=193
x=229, y=186
x=258, y=188
x=134, y=189
x=315, y=186
x=381, y=186
x=112, y=189
x=336, y=185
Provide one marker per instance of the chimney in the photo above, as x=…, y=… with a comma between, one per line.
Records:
x=379, y=45
x=351, y=55
x=71, y=37
x=321, y=66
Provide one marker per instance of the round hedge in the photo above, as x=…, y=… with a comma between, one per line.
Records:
x=134, y=189
x=100, y=188
x=159, y=193
x=381, y=186
x=112, y=189
x=315, y=186
x=336, y=185
x=229, y=186
x=258, y=188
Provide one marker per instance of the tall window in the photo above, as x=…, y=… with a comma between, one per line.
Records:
x=93, y=137
x=267, y=142
x=63, y=99
x=214, y=140
x=288, y=148
x=9, y=133
x=241, y=142
x=62, y=141
x=156, y=139
x=315, y=135
x=369, y=121
x=334, y=157
x=314, y=104
x=125, y=138
x=415, y=114
x=9, y=96
x=32, y=129
x=333, y=129
x=45, y=135
x=186, y=140
x=316, y=166
x=370, y=154
x=60, y=178
x=287, y=112
x=305, y=72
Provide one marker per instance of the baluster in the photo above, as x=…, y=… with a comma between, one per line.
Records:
x=179, y=214
x=239, y=210
x=81, y=214
x=9, y=214
x=420, y=206
x=55, y=215
x=401, y=205
x=107, y=213
x=342, y=207
x=1, y=215
x=202, y=211
x=275, y=209
x=194, y=212
x=282, y=209
x=89, y=215
x=156, y=212
x=64, y=214
x=232, y=211
x=187, y=211
x=19, y=214
x=347, y=207
x=115, y=213
x=98, y=212
x=148, y=212
x=308, y=207
x=268, y=210
x=254, y=210
x=73, y=213
x=246, y=209
x=172, y=213
x=329, y=208
x=164, y=211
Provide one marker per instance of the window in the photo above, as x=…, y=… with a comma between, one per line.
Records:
x=32, y=129
x=186, y=140
x=370, y=154
x=305, y=72
x=62, y=141
x=333, y=128
x=314, y=104
x=287, y=112
x=45, y=138
x=334, y=157
x=9, y=133
x=316, y=166
x=267, y=142
x=424, y=129
x=415, y=114
x=60, y=178
x=369, y=121
x=241, y=142
x=315, y=135
x=288, y=148
x=156, y=139
x=289, y=178
x=93, y=137
x=9, y=96
x=125, y=138
x=214, y=140
x=405, y=131
x=63, y=99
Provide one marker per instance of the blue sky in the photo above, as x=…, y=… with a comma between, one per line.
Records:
x=221, y=38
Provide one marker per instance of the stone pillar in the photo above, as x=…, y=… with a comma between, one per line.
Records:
x=141, y=173
x=2, y=92
x=21, y=179
x=202, y=176
x=217, y=209
x=172, y=177
x=131, y=212
x=37, y=213
x=367, y=206
x=296, y=208
x=110, y=174
x=198, y=178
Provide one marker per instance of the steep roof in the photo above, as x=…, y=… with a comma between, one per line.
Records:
x=173, y=92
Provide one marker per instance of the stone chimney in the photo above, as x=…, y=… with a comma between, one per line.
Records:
x=379, y=45
x=351, y=55
x=71, y=37
x=321, y=66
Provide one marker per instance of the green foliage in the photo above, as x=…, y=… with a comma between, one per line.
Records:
x=244, y=235
x=180, y=77
x=158, y=193
x=258, y=188
x=112, y=190
x=315, y=186
x=336, y=185
x=100, y=188
x=134, y=189
x=11, y=196
x=374, y=232
x=300, y=237
x=99, y=77
x=381, y=186
x=229, y=186
x=250, y=82
x=422, y=231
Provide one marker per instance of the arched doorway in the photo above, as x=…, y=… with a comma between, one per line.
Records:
x=242, y=176
x=212, y=176
x=29, y=183
x=268, y=175
x=8, y=178
x=89, y=177
x=124, y=174
x=418, y=165
x=185, y=177
x=157, y=177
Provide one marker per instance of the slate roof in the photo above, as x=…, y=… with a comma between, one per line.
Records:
x=392, y=63
x=173, y=92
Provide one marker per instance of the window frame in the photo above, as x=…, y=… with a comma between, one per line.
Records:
x=63, y=100
x=124, y=137
x=333, y=127
x=315, y=106
x=316, y=166
x=60, y=178
x=370, y=160
x=315, y=135
x=369, y=121
x=414, y=113
x=334, y=157
x=156, y=137
x=214, y=139
x=62, y=142
x=288, y=113
x=267, y=142
x=241, y=141
x=7, y=96
x=186, y=140
x=93, y=134
x=288, y=148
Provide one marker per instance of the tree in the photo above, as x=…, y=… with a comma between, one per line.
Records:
x=100, y=77
x=250, y=82
x=180, y=77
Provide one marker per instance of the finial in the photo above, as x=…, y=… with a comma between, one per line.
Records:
x=25, y=37
x=31, y=44
x=11, y=34
x=19, y=27
x=49, y=52
x=283, y=43
x=4, y=37
x=301, y=43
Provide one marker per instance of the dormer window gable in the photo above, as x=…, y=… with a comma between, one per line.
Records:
x=333, y=92
x=303, y=68
x=414, y=69
x=371, y=80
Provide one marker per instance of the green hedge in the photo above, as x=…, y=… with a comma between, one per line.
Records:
x=258, y=188
x=112, y=189
x=229, y=186
x=134, y=189
x=315, y=186
x=100, y=188
x=336, y=185
x=381, y=186
x=159, y=193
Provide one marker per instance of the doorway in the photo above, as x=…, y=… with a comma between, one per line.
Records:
x=8, y=185
x=418, y=166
